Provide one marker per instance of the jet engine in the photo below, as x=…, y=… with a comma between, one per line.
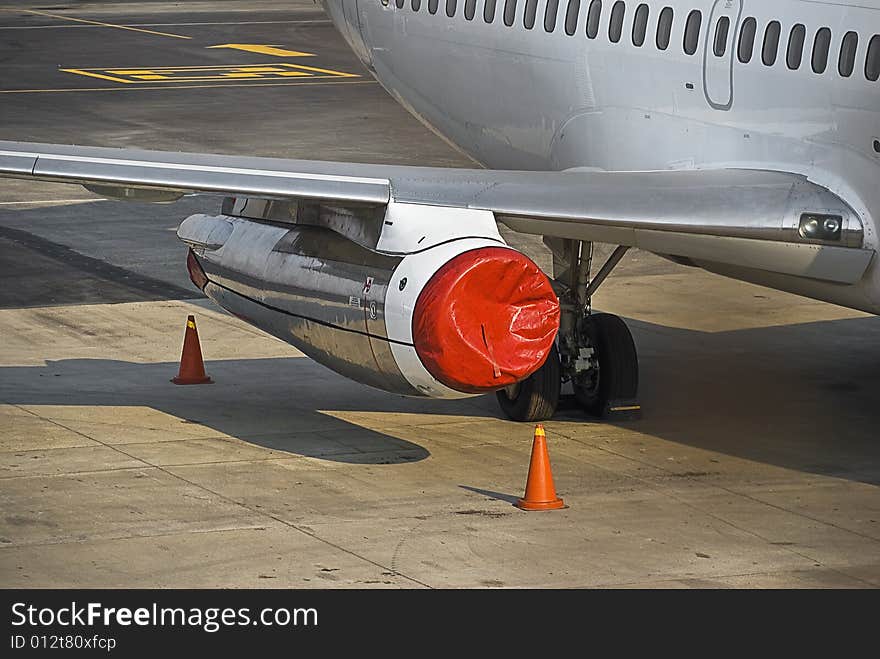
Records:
x=417, y=300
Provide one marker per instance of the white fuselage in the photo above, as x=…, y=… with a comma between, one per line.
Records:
x=514, y=97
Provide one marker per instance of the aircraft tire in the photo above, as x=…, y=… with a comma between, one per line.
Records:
x=536, y=397
x=617, y=381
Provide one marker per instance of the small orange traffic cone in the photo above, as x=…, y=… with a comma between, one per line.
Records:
x=540, y=491
x=192, y=368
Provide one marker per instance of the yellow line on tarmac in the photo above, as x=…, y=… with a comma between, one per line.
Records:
x=341, y=74
x=174, y=74
x=329, y=80
x=83, y=20
x=263, y=49
x=95, y=75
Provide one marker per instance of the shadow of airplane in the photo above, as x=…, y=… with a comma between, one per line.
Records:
x=259, y=401
x=801, y=397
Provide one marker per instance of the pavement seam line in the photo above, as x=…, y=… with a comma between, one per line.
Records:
x=695, y=507
x=233, y=501
x=727, y=490
x=77, y=541
x=99, y=23
x=295, y=527
x=68, y=474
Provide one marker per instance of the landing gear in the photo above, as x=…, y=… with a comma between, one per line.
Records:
x=595, y=352
x=536, y=397
x=610, y=386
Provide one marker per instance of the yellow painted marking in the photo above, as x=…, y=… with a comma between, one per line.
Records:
x=262, y=69
x=190, y=324
x=625, y=408
x=324, y=80
x=211, y=67
x=264, y=49
x=327, y=71
x=179, y=74
x=92, y=74
x=539, y=432
x=118, y=27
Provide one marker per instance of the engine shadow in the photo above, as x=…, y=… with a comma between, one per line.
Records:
x=801, y=397
x=263, y=402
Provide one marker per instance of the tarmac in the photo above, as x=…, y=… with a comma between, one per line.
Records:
x=756, y=463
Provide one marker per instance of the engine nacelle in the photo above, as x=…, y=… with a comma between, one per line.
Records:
x=423, y=315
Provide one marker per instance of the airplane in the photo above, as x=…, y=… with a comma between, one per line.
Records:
x=737, y=136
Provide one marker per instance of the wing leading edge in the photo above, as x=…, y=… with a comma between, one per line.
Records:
x=747, y=218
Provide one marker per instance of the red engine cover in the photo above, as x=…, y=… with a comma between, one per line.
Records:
x=485, y=320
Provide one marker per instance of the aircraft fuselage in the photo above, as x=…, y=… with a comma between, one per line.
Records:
x=637, y=86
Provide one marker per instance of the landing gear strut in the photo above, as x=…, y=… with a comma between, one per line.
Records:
x=595, y=352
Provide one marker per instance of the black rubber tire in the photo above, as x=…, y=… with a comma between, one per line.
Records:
x=537, y=396
x=618, y=364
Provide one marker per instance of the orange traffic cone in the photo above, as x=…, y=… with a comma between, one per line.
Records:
x=540, y=491
x=192, y=368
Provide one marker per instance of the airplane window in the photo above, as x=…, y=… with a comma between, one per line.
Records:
x=747, y=40
x=571, y=16
x=771, y=43
x=872, y=62
x=593, y=16
x=470, y=8
x=795, y=46
x=489, y=11
x=550, y=15
x=640, y=25
x=615, y=27
x=450, y=7
x=664, y=28
x=846, y=63
x=400, y=3
x=721, y=30
x=530, y=13
x=821, y=46
x=432, y=6
x=509, y=12
x=416, y=5
x=692, y=31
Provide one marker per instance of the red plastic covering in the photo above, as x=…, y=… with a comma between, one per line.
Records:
x=485, y=320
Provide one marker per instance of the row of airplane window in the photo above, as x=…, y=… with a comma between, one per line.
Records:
x=745, y=48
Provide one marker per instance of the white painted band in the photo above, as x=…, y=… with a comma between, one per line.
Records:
x=417, y=270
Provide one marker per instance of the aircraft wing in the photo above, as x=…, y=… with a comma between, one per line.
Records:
x=758, y=219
